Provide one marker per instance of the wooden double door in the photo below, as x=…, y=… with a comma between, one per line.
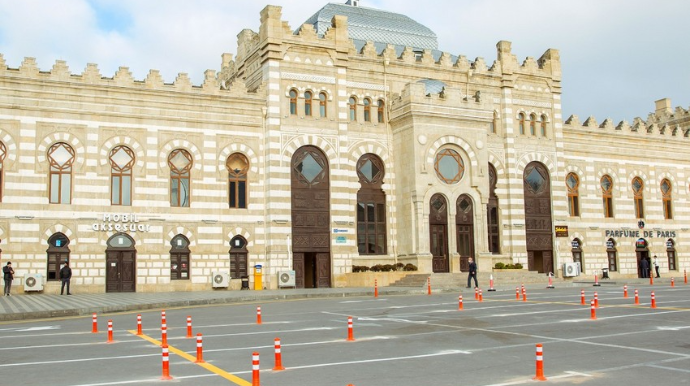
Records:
x=120, y=270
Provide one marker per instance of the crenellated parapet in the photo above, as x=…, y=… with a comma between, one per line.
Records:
x=676, y=126
x=123, y=78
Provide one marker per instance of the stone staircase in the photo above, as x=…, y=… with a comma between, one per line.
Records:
x=459, y=280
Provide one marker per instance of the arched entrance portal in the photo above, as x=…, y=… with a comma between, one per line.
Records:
x=311, y=247
x=120, y=264
x=438, y=233
x=642, y=253
x=464, y=223
x=538, y=224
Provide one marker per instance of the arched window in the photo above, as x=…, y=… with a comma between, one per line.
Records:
x=638, y=196
x=367, y=110
x=371, y=206
x=179, y=258
x=307, y=103
x=612, y=255
x=3, y=154
x=180, y=163
x=121, y=162
x=238, y=257
x=58, y=254
x=323, y=103
x=607, y=195
x=521, y=123
x=666, y=196
x=492, y=210
x=542, y=124
x=493, y=124
x=671, y=254
x=577, y=253
x=573, y=184
x=449, y=166
x=381, y=110
x=238, y=167
x=353, y=109
x=61, y=158
x=293, y=102
x=533, y=125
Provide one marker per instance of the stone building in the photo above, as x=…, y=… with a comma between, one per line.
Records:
x=352, y=140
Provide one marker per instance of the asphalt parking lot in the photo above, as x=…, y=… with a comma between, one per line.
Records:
x=402, y=340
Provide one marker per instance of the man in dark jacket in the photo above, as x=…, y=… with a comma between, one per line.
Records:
x=8, y=275
x=473, y=273
x=65, y=276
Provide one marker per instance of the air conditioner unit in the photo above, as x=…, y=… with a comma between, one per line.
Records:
x=571, y=269
x=286, y=279
x=33, y=282
x=220, y=279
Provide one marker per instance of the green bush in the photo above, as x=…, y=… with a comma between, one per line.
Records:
x=518, y=266
x=410, y=267
x=360, y=268
x=499, y=266
x=399, y=266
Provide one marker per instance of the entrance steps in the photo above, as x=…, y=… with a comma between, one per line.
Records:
x=459, y=280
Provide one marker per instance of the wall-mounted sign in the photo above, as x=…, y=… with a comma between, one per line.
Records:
x=561, y=231
x=340, y=230
x=340, y=239
x=637, y=234
x=120, y=222
x=641, y=243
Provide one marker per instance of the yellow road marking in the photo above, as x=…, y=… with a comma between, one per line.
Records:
x=230, y=377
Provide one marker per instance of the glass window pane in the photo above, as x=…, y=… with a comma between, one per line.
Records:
x=127, y=190
x=242, y=194
x=370, y=212
x=54, y=188
x=174, y=199
x=381, y=213
x=233, y=194
x=184, y=192
x=380, y=244
x=115, y=190
x=65, y=195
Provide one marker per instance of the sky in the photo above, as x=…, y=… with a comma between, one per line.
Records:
x=617, y=56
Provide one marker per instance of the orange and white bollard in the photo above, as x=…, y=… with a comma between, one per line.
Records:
x=199, y=349
x=258, y=315
x=166, y=364
x=460, y=302
x=596, y=280
x=162, y=316
x=596, y=300
x=582, y=297
x=593, y=310
x=550, y=286
x=651, y=278
x=540, y=364
x=524, y=294
x=139, y=331
x=110, y=332
x=279, y=357
x=94, y=322
x=350, y=333
x=164, y=333
x=653, y=300
x=673, y=283
x=625, y=291
x=481, y=297
x=476, y=293
x=517, y=293
x=376, y=288
x=637, y=297
x=189, y=327
x=255, y=369
x=491, y=283
x=428, y=285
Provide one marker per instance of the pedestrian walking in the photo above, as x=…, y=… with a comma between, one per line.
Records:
x=656, y=266
x=472, y=274
x=644, y=267
x=8, y=275
x=65, y=276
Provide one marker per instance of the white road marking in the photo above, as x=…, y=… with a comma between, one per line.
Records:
x=567, y=374
x=441, y=353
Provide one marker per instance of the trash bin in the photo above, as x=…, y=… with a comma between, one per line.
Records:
x=605, y=273
x=245, y=282
x=258, y=278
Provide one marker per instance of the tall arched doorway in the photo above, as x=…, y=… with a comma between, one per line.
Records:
x=120, y=264
x=438, y=233
x=311, y=247
x=642, y=253
x=464, y=224
x=538, y=224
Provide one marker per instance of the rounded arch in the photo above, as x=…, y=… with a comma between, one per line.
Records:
x=291, y=147
x=643, y=176
x=528, y=158
x=242, y=232
x=60, y=228
x=10, y=146
x=356, y=151
x=68, y=138
x=179, y=144
x=184, y=232
x=130, y=142
x=225, y=152
x=121, y=240
x=668, y=176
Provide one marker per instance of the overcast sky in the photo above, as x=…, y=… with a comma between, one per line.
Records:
x=618, y=56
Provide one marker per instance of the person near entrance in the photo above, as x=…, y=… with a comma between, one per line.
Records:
x=644, y=267
x=656, y=266
x=65, y=276
x=472, y=274
x=8, y=275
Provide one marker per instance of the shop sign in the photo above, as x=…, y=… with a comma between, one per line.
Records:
x=561, y=231
x=340, y=239
x=120, y=222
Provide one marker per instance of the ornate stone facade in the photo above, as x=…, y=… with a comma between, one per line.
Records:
x=314, y=152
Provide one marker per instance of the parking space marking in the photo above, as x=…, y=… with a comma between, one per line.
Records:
x=441, y=353
x=74, y=360
x=214, y=369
